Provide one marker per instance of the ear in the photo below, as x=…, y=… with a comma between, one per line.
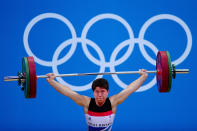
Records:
x=107, y=91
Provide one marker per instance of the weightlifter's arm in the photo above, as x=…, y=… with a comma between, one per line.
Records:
x=120, y=97
x=77, y=98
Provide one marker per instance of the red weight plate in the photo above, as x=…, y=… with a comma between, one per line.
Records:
x=33, y=77
x=163, y=76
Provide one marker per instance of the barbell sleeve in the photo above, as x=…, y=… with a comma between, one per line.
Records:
x=11, y=78
x=182, y=71
x=16, y=78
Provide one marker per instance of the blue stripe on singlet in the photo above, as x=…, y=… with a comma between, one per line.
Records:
x=90, y=128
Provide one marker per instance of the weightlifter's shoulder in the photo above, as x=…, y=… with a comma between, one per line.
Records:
x=86, y=103
x=86, y=100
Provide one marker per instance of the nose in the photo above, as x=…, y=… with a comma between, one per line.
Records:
x=100, y=94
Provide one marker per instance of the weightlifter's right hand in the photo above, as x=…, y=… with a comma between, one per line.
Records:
x=51, y=77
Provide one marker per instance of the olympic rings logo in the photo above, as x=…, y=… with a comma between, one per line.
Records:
x=102, y=62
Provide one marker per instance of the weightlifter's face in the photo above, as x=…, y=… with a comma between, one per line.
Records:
x=100, y=95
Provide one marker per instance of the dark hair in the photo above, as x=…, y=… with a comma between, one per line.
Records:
x=101, y=82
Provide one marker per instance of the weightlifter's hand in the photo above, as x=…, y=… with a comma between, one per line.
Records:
x=51, y=77
x=143, y=72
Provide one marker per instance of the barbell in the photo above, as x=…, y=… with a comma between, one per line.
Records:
x=165, y=71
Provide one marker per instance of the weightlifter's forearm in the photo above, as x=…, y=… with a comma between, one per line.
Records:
x=77, y=98
x=131, y=88
x=60, y=88
x=136, y=84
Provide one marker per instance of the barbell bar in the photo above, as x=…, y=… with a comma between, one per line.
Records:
x=16, y=78
x=164, y=72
